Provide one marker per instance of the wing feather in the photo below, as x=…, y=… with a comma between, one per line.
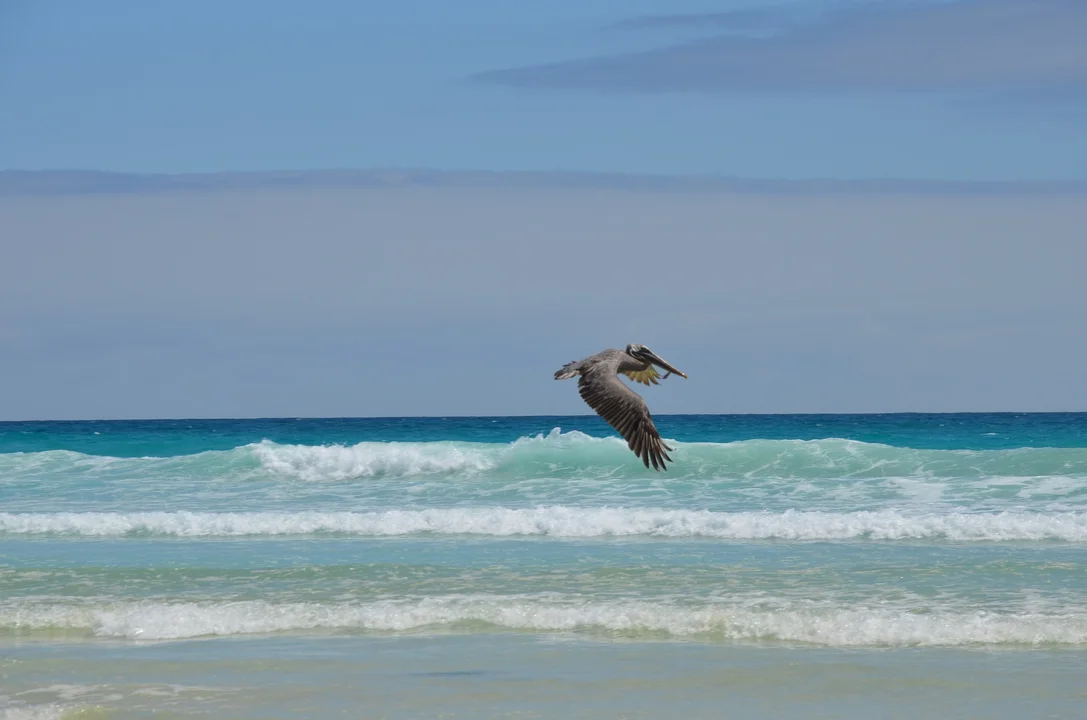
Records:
x=626, y=411
x=649, y=376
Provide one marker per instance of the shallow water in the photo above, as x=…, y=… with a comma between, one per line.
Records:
x=785, y=566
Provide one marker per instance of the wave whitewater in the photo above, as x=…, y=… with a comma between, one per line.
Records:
x=842, y=627
x=566, y=522
x=559, y=454
x=52, y=711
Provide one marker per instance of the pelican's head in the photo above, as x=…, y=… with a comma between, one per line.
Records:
x=641, y=352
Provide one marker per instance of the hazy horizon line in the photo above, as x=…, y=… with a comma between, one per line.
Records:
x=14, y=182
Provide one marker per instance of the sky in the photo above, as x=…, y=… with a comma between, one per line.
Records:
x=462, y=296
x=968, y=90
x=465, y=300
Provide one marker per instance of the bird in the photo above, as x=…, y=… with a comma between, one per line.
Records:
x=602, y=390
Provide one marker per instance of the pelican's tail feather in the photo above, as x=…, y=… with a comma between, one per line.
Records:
x=569, y=370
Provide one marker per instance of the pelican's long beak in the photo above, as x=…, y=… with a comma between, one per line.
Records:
x=656, y=360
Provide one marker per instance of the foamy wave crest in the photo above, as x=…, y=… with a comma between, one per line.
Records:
x=559, y=454
x=51, y=711
x=340, y=462
x=543, y=455
x=859, y=626
x=567, y=522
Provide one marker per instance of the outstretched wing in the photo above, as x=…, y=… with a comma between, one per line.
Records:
x=649, y=376
x=625, y=411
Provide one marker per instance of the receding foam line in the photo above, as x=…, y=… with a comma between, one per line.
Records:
x=565, y=522
x=722, y=622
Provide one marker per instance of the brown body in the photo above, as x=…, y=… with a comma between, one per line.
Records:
x=600, y=387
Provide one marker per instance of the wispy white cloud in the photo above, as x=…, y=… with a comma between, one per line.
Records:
x=1034, y=49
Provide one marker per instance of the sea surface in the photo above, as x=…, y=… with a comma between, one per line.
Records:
x=784, y=566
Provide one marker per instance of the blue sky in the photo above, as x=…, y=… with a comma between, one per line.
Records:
x=463, y=297
x=977, y=89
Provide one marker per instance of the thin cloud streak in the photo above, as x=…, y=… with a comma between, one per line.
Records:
x=975, y=46
x=765, y=19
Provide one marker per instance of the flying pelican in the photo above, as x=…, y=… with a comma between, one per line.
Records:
x=623, y=409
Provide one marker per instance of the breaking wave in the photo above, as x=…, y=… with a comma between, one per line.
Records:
x=567, y=522
x=559, y=454
x=840, y=627
x=51, y=711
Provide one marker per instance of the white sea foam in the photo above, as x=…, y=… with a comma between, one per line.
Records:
x=50, y=711
x=856, y=626
x=558, y=453
x=567, y=522
x=341, y=462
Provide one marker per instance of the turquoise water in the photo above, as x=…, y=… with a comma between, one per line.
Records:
x=490, y=567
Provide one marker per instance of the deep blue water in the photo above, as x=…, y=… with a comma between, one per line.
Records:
x=130, y=438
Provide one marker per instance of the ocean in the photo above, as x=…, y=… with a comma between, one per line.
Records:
x=815, y=566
